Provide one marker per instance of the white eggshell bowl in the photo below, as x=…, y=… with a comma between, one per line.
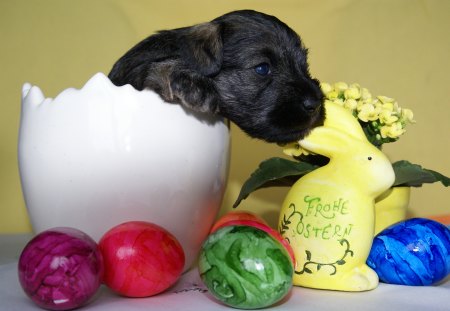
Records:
x=103, y=155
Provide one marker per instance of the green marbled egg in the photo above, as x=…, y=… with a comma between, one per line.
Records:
x=245, y=267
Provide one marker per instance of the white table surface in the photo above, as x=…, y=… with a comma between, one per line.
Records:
x=189, y=294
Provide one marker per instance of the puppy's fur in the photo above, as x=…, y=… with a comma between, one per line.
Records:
x=246, y=66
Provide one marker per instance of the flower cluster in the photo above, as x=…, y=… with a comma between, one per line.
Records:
x=381, y=118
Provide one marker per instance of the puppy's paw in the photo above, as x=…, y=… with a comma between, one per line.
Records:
x=194, y=91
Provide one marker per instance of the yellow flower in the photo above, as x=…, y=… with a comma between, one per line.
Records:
x=365, y=94
x=388, y=117
x=388, y=107
x=332, y=95
x=360, y=103
x=326, y=87
x=368, y=112
x=350, y=104
x=378, y=105
x=407, y=115
x=394, y=130
x=340, y=86
x=353, y=92
x=385, y=99
x=294, y=150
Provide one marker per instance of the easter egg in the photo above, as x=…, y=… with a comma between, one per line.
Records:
x=245, y=267
x=247, y=219
x=60, y=269
x=141, y=259
x=412, y=252
x=235, y=216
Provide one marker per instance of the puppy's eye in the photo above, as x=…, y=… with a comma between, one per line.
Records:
x=263, y=69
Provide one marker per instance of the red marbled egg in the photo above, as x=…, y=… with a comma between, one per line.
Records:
x=141, y=259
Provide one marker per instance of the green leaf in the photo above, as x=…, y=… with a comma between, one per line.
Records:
x=283, y=172
x=274, y=172
x=413, y=175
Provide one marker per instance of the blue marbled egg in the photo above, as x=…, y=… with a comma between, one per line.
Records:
x=412, y=252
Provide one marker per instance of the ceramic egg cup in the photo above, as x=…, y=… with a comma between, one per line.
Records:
x=102, y=155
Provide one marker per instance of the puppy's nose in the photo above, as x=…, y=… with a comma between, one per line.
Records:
x=312, y=105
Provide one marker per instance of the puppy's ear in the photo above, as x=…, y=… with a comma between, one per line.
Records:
x=194, y=90
x=201, y=55
x=201, y=48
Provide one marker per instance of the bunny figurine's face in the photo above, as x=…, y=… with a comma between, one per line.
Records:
x=351, y=155
x=372, y=169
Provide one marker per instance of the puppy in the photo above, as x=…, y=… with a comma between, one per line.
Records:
x=246, y=66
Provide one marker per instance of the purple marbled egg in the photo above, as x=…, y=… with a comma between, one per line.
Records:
x=60, y=269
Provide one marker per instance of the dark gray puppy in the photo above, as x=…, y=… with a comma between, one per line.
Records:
x=246, y=66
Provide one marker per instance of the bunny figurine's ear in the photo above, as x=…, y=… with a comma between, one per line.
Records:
x=327, y=141
x=342, y=119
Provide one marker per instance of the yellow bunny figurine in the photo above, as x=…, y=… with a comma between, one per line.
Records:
x=328, y=214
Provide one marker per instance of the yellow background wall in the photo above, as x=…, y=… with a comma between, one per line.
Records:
x=397, y=48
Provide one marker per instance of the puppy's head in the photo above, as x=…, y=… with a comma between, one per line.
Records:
x=246, y=66
x=264, y=81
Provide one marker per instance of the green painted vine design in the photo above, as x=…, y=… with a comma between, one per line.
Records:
x=319, y=265
x=284, y=226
